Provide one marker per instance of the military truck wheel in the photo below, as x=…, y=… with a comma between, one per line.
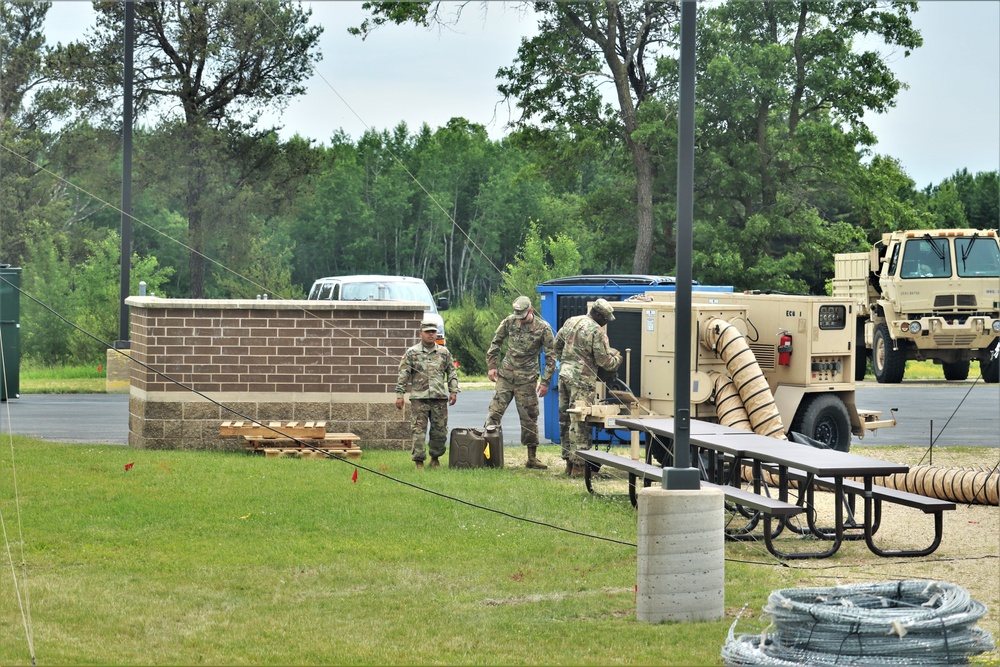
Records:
x=990, y=366
x=860, y=353
x=824, y=417
x=889, y=364
x=956, y=370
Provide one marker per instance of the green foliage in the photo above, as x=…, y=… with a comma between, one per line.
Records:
x=947, y=208
x=980, y=196
x=95, y=296
x=885, y=200
x=471, y=327
x=780, y=130
x=784, y=175
x=45, y=278
x=263, y=268
x=537, y=261
x=221, y=64
x=470, y=331
x=85, y=296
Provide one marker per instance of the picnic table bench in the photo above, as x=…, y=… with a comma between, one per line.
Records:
x=809, y=468
x=292, y=439
x=762, y=505
x=853, y=489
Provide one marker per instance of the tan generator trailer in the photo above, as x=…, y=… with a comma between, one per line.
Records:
x=925, y=294
x=770, y=363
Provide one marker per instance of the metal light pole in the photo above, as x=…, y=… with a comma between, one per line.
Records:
x=682, y=475
x=126, y=225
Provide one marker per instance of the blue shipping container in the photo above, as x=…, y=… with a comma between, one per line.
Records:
x=563, y=298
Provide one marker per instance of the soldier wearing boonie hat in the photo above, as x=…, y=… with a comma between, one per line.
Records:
x=428, y=370
x=516, y=377
x=582, y=348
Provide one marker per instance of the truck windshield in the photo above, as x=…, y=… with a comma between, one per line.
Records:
x=978, y=257
x=926, y=258
x=388, y=290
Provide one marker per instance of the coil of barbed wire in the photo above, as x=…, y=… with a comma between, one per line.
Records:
x=888, y=623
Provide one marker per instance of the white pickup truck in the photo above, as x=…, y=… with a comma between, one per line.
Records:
x=374, y=288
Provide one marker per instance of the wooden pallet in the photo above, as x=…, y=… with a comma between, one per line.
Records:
x=303, y=430
x=306, y=453
x=308, y=440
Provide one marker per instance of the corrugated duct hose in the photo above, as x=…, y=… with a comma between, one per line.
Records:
x=745, y=402
x=971, y=485
x=729, y=345
x=728, y=404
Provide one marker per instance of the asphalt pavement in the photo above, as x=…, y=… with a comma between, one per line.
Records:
x=966, y=414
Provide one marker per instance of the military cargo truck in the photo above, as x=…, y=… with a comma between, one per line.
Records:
x=925, y=294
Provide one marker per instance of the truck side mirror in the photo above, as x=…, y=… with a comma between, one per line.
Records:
x=442, y=303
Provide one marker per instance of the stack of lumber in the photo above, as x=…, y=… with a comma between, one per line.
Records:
x=298, y=439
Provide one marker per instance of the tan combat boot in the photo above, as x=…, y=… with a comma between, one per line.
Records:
x=435, y=463
x=578, y=469
x=419, y=464
x=533, y=462
x=569, y=467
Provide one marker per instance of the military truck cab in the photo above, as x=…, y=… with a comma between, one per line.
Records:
x=927, y=294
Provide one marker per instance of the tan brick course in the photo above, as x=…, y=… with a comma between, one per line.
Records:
x=265, y=360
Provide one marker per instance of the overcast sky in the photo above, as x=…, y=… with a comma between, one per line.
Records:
x=948, y=119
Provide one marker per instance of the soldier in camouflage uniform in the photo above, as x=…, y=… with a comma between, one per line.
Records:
x=517, y=375
x=582, y=347
x=429, y=371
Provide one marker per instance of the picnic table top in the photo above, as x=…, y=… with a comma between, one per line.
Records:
x=743, y=444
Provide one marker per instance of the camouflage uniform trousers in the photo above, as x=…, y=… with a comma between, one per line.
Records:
x=433, y=411
x=525, y=398
x=574, y=434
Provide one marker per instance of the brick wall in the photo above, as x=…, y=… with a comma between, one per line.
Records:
x=265, y=360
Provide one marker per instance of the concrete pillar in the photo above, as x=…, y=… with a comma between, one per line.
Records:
x=681, y=560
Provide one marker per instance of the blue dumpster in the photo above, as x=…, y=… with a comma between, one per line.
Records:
x=563, y=298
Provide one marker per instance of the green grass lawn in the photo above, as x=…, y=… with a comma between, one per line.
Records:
x=224, y=558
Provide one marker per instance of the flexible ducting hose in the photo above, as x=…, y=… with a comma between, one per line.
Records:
x=729, y=345
x=966, y=485
x=728, y=404
x=969, y=485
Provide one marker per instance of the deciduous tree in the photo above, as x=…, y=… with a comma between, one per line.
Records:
x=204, y=68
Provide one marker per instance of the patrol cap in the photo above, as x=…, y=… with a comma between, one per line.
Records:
x=522, y=305
x=428, y=325
x=605, y=309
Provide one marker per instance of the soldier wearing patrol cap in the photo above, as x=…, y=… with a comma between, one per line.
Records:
x=428, y=370
x=582, y=347
x=517, y=376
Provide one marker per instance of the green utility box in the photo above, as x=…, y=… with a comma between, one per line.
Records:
x=10, y=332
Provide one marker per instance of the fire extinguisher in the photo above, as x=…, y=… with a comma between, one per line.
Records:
x=784, y=348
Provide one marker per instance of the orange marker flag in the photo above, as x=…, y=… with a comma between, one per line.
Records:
x=354, y=477
x=487, y=450
x=128, y=466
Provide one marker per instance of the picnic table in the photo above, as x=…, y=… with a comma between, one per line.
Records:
x=804, y=469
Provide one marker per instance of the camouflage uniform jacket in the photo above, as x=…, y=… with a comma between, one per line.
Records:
x=524, y=341
x=428, y=371
x=581, y=347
